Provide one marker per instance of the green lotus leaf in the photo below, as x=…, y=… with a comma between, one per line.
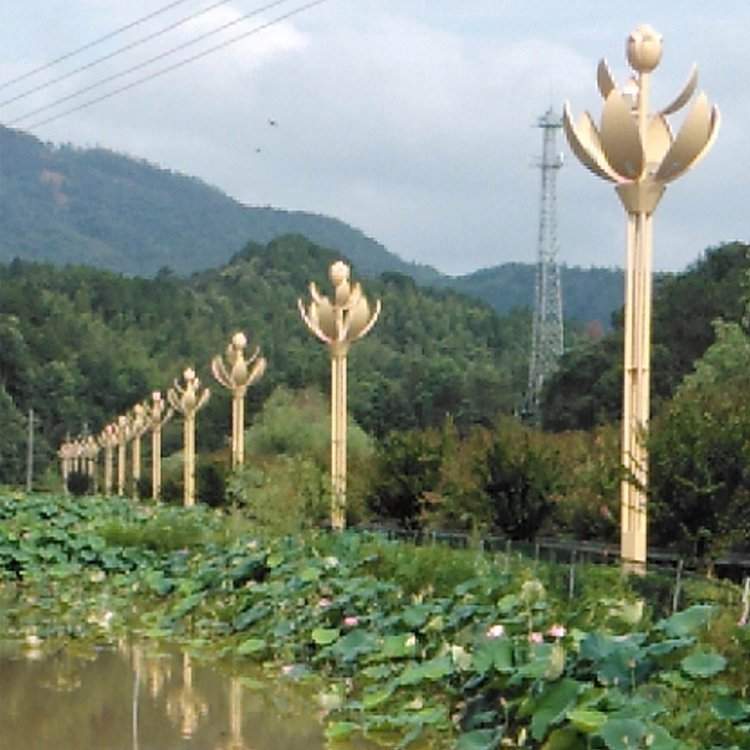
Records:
x=251, y=646
x=340, y=730
x=552, y=705
x=703, y=664
x=688, y=622
x=731, y=709
x=566, y=738
x=325, y=636
x=479, y=739
x=623, y=734
x=587, y=720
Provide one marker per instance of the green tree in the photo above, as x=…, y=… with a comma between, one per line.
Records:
x=699, y=494
x=406, y=468
x=518, y=480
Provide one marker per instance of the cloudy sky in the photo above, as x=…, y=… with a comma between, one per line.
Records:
x=412, y=120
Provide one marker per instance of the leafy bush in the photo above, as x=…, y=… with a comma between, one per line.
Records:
x=699, y=490
x=406, y=467
x=79, y=483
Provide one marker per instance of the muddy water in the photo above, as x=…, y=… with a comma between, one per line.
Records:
x=142, y=699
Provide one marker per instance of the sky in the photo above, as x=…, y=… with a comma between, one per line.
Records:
x=414, y=121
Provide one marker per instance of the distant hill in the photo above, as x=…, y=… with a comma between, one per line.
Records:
x=62, y=205
x=65, y=205
x=589, y=294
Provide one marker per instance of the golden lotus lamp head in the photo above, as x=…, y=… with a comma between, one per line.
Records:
x=632, y=145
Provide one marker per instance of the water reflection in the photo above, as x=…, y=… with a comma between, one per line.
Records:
x=141, y=698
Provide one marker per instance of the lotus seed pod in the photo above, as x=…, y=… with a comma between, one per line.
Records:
x=644, y=48
x=239, y=340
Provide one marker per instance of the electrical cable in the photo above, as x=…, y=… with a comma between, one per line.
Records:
x=89, y=45
x=146, y=63
x=176, y=65
x=110, y=55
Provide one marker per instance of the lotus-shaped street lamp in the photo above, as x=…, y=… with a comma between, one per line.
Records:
x=138, y=426
x=157, y=415
x=124, y=433
x=187, y=400
x=238, y=374
x=108, y=440
x=337, y=324
x=637, y=151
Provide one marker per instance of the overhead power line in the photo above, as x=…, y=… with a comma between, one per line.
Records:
x=110, y=55
x=152, y=60
x=94, y=43
x=158, y=73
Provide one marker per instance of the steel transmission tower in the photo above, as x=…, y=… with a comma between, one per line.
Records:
x=547, y=327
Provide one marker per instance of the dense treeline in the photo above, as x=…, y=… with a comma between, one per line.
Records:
x=587, y=389
x=432, y=391
x=81, y=346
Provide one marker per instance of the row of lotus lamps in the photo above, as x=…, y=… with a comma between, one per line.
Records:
x=337, y=323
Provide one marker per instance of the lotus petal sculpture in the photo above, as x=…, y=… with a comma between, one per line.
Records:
x=637, y=151
x=337, y=324
x=187, y=400
x=632, y=145
x=238, y=376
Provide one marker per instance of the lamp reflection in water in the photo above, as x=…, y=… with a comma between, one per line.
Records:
x=235, y=740
x=637, y=151
x=187, y=707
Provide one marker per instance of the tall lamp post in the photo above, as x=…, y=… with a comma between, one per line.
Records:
x=108, y=440
x=188, y=401
x=238, y=375
x=337, y=324
x=157, y=416
x=637, y=150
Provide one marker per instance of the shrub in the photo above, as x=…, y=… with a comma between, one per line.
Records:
x=79, y=483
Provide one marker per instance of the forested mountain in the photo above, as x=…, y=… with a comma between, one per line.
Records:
x=81, y=346
x=65, y=205
x=61, y=204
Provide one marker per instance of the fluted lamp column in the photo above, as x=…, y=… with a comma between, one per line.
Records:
x=108, y=440
x=238, y=374
x=123, y=435
x=187, y=400
x=637, y=151
x=337, y=324
x=157, y=415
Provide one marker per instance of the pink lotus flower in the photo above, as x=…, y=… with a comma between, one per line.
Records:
x=324, y=602
x=495, y=631
x=351, y=621
x=536, y=637
x=557, y=631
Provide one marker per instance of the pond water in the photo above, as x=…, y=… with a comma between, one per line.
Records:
x=137, y=698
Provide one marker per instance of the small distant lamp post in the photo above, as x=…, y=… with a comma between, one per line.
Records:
x=123, y=435
x=65, y=453
x=91, y=450
x=138, y=426
x=108, y=440
x=637, y=150
x=238, y=375
x=337, y=324
x=187, y=401
x=157, y=415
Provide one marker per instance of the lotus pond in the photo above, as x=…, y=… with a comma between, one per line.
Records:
x=391, y=645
